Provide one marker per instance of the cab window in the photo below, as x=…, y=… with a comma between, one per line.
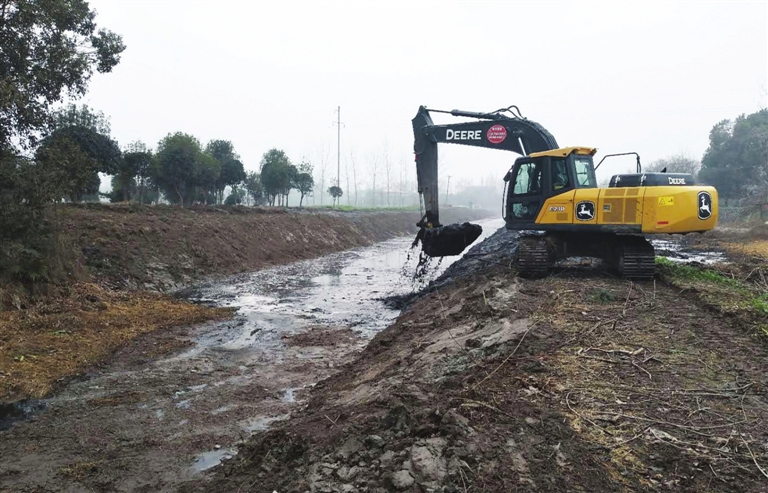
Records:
x=528, y=179
x=585, y=173
x=560, y=180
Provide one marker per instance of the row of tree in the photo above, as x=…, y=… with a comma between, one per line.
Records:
x=77, y=147
x=184, y=173
x=736, y=161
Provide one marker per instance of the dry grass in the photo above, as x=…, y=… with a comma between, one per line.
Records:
x=751, y=247
x=80, y=470
x=63, y=337
x=650, y=378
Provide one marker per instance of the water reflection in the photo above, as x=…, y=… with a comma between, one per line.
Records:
x=341, y=289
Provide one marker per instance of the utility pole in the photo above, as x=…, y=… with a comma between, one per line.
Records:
x=447, y=189
x=338, y=148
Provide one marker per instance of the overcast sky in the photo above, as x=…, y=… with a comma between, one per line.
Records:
x=651, y=77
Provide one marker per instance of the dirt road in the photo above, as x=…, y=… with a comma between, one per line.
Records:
x=143, y=423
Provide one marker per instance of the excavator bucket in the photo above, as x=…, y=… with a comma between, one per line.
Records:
x=449, y=240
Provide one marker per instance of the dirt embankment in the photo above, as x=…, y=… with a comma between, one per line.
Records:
x=576, y=382
x=166, y=248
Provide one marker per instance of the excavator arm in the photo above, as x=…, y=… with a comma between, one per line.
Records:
x=503, y=129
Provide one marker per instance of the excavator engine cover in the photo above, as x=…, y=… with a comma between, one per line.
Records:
x=449, y=240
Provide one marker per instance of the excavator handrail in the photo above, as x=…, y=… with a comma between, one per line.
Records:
x=639, y=168
x=493, y=115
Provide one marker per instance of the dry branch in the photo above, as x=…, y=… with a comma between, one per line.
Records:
x=754, y=459
x=505, y=359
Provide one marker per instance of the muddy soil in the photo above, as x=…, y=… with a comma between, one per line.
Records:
x=164, y=248
x=576, y=382
x=146, y=422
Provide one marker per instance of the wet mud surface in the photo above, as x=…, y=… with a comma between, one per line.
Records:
x=576, y=382
x=682, y=251
x=146, y=423
x=143, y=423
x=12, y=412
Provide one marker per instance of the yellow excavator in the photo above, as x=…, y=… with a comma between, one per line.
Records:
x=551, y=197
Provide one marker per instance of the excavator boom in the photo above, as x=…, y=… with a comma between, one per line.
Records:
x=501, y=129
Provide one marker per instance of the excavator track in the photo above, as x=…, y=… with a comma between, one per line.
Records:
x=636, y=258
x=533, y=257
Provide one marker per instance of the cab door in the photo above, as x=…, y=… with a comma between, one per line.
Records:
x=526, y=183
x=558, y=198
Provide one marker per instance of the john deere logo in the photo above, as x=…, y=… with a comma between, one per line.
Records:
x=705, y=205
x=585, y=210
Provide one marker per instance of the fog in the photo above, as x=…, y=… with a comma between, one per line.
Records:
x=649, y=77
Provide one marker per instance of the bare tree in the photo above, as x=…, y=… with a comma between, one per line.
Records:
x=680, y=163
x=374, y=166
x=401, y=183
x=346, y=177
x=352, y=160
x=387, y=168
x=323, y=153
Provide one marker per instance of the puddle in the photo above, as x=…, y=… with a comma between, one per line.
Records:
x=222, y=409
x=17, y=411
x=676, y=252
x=194, y=389
x=261, y=424
x=210, y=459
x=289, y=395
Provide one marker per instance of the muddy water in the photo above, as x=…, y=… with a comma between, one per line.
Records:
x=18, y=411
x=676, y=251
x=342, y=289
x=148, y=423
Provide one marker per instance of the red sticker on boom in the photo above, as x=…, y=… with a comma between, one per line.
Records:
x=496, y=134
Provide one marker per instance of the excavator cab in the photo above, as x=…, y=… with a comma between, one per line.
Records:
x=535, y=178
